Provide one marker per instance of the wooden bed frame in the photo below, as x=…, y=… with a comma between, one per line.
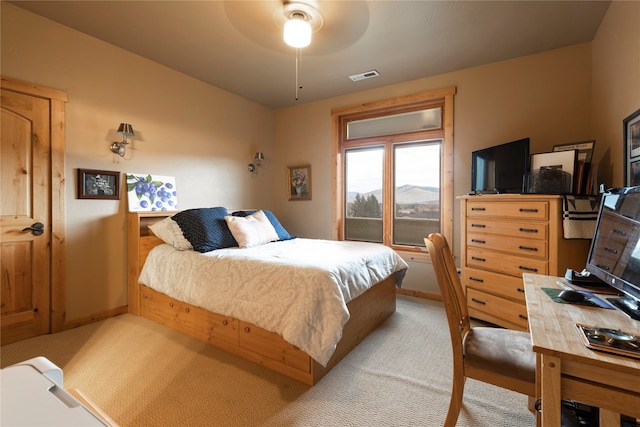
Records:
x=242, y=338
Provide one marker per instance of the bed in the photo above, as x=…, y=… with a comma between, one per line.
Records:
x=237, y=331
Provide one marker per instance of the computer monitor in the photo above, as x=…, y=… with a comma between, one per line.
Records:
x=614, y=256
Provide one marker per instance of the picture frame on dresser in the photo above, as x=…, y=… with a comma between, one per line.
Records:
x=631, y=141
x=585, y=149
x=552, y=173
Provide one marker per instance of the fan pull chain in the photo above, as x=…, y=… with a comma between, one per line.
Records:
x=298, y=66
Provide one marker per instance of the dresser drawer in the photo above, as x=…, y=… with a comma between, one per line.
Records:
x=518, y=210
x=503, y=263
x=273, y=346
x=518, y=229
x=187, y=318
x=494, y=283
x=517, y=246
x=495, y=307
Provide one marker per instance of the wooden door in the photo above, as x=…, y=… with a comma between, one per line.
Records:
x=27, y=192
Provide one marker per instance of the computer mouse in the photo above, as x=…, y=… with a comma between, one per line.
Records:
x=571, y=296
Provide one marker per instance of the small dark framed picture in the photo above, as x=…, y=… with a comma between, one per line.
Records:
x=96, y=184
x=631, y=140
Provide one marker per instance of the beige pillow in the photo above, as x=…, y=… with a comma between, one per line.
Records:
x=251, y=230
x=170, y=232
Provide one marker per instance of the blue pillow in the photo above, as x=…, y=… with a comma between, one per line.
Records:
x=280, y=231
x=205, y=228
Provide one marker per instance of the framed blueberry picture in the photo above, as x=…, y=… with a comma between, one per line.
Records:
x=97, y=184
x=151, y=193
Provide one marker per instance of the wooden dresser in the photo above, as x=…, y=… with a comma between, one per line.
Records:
x=504, y=236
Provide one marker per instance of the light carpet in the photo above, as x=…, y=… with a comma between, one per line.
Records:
x=143, y=374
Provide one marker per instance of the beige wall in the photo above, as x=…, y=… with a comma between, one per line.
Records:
x=565, y=95
x=545, y=97
x=205, y=137
x=616, y=84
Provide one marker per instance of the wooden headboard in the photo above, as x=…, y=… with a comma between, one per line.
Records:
x=140, y=240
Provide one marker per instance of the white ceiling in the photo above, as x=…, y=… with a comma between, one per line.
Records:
x=237, y=45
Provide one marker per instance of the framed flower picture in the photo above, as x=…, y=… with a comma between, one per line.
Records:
x=299, y=182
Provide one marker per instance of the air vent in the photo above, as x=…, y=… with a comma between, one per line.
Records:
x=364, y=76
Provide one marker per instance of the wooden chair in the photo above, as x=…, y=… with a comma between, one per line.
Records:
x=501, y=357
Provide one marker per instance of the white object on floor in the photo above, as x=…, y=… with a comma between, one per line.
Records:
x=32, y=395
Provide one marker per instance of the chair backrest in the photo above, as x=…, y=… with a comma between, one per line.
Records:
x=453, y=295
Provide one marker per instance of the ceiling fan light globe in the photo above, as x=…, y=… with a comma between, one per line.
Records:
x=297, y=33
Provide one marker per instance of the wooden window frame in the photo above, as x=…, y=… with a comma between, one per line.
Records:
x=442, y=98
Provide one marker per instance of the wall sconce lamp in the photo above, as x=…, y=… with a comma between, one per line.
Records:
x=257, y=161
x=119, y=148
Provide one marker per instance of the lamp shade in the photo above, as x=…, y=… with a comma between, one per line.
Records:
x=297, y=33
x=125, y=129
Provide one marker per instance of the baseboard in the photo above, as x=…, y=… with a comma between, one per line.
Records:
x=419, y=294
x=71, y=324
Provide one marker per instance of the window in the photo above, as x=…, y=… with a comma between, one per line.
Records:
x=393, y=171
x=364, y=178
x=416, y=192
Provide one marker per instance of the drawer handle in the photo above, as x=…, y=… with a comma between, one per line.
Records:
x=247, y=329
x=520, y=290
x=526, y=248
x=604, y=267
x=478, y=301
x=478, y=209
x=478, y=241
x=524, y=210
x=523, y=317
x=478, y=225
x=528, y=230
x=225, y=322
x=522, y=267
x=611, y=251
x=475, y=258
x=620, y=232
x=474, y=279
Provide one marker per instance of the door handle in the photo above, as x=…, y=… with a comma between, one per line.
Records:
x=36, y=229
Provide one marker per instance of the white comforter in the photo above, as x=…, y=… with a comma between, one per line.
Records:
x=297, y=288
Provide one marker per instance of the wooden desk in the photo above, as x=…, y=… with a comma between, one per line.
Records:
x=567, y=369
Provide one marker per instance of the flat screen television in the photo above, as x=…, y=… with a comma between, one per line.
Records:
x=614, y=256
x=500, y=169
